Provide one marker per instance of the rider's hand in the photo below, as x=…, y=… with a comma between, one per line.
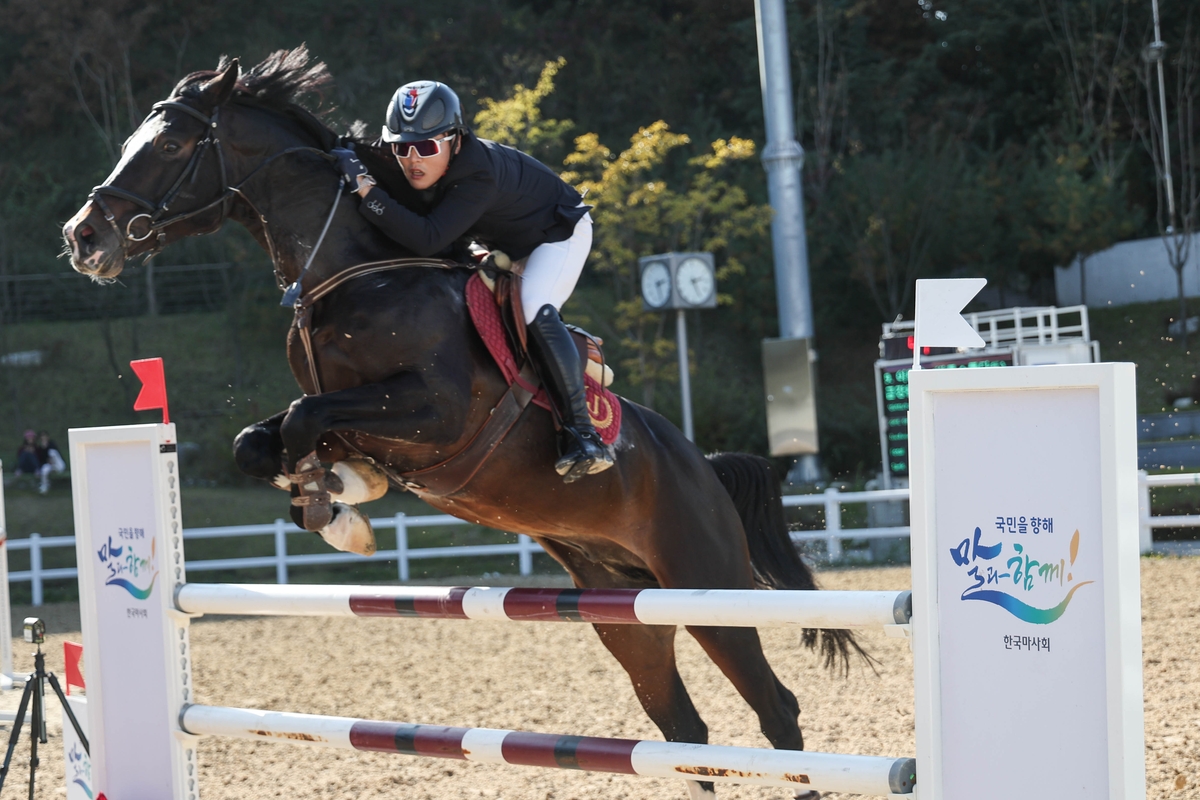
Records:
x=354, y=172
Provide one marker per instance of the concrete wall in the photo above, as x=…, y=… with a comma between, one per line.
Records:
x=1130, y=272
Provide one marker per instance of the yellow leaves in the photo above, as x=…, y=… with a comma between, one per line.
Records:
x=725, y=151
x=517, y=120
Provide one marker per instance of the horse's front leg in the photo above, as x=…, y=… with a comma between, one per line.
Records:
x=403, y=407
x=258, y=452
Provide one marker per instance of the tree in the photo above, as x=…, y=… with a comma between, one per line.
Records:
x=1091, y=38
x=895, y=211
x=1082, y=211
x=517, y=120
x=638, y=213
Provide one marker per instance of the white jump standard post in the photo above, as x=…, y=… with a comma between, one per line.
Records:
x=1027, y=626
x=129, y=548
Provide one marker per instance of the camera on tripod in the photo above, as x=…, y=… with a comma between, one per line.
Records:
x=35, y=630
x=33, y=699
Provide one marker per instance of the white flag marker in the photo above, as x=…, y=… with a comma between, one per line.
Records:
x=939, y=320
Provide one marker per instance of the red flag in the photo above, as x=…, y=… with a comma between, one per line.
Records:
x=154, y=386
x=71, y=654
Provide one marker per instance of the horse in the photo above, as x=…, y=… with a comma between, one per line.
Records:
x=398, y=380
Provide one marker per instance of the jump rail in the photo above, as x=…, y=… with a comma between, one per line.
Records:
x=725, y=607
x=871, y=775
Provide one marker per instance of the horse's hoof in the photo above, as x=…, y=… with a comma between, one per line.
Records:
x=349, y=531
x=701, y=790
x=807, y=796
x=362, y=482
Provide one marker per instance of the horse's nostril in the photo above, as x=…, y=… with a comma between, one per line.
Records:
x=85, y=233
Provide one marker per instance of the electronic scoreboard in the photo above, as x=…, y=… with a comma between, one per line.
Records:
x=891, y=385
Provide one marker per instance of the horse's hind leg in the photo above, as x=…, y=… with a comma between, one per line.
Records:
x=738, y=653
x=647, y=653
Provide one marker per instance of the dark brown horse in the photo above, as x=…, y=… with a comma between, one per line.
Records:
x=406, y=382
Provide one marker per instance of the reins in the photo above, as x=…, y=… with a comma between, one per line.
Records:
x=304, y=301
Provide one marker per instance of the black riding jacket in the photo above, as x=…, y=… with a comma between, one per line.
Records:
x=494, y=193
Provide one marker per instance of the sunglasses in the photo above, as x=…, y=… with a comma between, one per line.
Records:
x=426, y=148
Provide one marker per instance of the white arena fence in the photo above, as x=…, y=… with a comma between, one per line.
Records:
x=833, y=535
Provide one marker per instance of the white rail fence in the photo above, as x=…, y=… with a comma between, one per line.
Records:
x=833, y=535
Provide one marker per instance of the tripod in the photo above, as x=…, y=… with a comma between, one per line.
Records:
x=35, y=687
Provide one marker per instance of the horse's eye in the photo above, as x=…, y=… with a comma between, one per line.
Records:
x=170, y=147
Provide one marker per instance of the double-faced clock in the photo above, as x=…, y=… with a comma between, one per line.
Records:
x=678, y=281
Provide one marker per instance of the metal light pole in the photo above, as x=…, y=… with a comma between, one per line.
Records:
x=685, y=381
x=1157, y=52
x=783, y=157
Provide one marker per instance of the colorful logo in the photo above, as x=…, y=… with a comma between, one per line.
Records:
x=409, y=106
x=80, y=767
x=1024, y=576
x=127, y=569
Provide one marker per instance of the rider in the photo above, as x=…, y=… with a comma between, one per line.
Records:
x=510, y=201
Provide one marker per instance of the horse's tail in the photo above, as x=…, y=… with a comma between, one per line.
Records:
x=755, y=491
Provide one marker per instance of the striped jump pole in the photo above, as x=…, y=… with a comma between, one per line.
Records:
x=824, y=772
x=706, y=607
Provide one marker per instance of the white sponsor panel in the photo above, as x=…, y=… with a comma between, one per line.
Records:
x=78, y=764
x=1027, y=658
x=136, y=652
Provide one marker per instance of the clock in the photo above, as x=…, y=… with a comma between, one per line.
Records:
x=694, y=281
x=656, y=284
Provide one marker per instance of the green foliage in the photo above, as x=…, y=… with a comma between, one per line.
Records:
x=899, y=210
x=639, y=212
x=518, y=121
x=1082, y=210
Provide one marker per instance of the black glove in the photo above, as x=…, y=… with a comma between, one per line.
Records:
x=352, y=169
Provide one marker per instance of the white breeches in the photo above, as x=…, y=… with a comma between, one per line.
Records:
x=553, y=270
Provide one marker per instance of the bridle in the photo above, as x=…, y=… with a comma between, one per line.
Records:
x=155, y=214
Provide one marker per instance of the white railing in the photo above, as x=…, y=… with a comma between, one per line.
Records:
x=524, y=548
x=833, y=534
x=1147, y=521
x=832, y=500
x=1006, y=327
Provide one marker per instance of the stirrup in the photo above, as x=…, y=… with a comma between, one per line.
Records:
x=313, y=485
x=587, y=455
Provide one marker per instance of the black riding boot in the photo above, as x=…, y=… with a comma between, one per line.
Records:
x=581, y=452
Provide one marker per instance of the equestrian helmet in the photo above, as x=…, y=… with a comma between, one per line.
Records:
x=422, y=110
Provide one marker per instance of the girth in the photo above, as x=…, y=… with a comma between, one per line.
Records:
x=452, y=474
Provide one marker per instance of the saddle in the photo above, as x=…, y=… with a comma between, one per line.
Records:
x=503, y=277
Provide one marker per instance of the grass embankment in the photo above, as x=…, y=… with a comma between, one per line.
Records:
x=1138, y=333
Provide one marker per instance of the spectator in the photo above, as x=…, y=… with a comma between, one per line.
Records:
x=49, y=460
x=27, y=456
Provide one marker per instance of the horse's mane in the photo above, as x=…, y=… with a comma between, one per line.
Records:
x=286, y=81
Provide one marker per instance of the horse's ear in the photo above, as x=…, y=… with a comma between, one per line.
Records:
x=220, y=88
